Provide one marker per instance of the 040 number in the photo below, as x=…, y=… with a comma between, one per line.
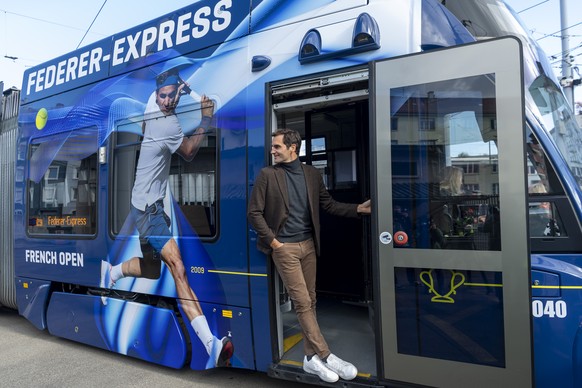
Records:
x=549, y=308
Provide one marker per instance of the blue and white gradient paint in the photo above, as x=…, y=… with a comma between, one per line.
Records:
x=212, y=42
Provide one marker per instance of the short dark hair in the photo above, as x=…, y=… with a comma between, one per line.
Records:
x=290, y=137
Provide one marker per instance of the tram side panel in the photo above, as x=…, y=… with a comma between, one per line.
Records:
x=77, y=151
x=76, y=187
x=76, y=155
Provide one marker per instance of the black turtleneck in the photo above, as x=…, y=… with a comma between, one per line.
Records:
x=298, y=225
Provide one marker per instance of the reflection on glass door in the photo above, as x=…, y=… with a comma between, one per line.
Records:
x=445, y=196
x=444, y=166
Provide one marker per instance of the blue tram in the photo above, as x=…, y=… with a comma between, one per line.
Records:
x=468, y=271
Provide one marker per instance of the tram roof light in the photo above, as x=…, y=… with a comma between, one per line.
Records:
x=366, y=31
x=310, y=45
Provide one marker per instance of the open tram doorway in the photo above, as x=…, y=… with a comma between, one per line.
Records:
x=331, y=114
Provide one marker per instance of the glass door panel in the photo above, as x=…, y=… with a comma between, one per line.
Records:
x=451, y=217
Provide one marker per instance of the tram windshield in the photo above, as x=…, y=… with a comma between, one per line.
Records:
x=559, y=121
x=486, y=19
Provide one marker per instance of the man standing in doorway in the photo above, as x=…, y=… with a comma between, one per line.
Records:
x=162, y=137
x=284, y=210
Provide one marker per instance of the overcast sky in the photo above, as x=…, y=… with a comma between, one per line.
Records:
x=34, y=31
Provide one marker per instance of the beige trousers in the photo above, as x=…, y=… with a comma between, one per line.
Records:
x=297, y=264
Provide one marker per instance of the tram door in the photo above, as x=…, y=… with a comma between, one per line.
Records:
x=450, y=217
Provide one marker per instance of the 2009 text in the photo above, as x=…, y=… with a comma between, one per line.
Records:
x=197, y=270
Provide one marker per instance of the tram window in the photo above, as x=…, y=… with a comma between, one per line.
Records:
x=317, y=155
x=553, y=226
x=541, y=177
x=332, y=144
x=62, y=184
x=191, y=184
x=544, y=218
x=545, y=221
x=345, y=169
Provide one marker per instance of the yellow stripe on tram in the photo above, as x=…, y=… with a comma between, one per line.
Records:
x=482, y=284
x=237, y=273
x=533, y=286
x=559, y=287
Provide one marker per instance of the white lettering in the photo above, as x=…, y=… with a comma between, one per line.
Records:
x=39, y=80
x=40, y=257
x=561, y=309
x=201, y=21
x=167, y=29
x=71, y=69
x=221, y=13
x=31, y=81
x=132, y=49
x=83, y=64
x=183, y=26
x=537, y=308
x=50, y=76
x=167, y=34
x=118, y=52
x=149, y=37
x=72, y=259
x=549, y=308
x=94, y=61
x=61, y=72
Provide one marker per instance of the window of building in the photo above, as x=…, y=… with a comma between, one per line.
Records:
x=427, y=124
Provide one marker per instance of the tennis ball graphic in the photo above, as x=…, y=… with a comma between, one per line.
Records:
x=41, y=118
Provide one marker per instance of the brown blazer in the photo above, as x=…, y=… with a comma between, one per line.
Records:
x=269, y=204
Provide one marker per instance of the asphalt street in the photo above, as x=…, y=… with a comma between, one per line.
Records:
x=33, y=358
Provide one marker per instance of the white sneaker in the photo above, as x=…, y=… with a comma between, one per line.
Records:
x=317, y=367
x=106, y=281
x=344, y=369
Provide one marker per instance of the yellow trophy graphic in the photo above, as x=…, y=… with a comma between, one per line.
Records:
x=457, y=280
